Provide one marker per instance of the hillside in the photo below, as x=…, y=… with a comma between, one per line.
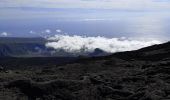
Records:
x=134, y=75
x=155, y=52
x=16, y=47
x=35, y=47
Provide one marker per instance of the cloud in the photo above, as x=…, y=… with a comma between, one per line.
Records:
x=104, y=4
x=75, y=9
x=97, y=19
x=4, y=34
x=89, y=44
x=48, y=31
x=58, y=30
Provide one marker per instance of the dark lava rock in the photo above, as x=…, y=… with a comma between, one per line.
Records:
x=60, y=89
x=134, y=75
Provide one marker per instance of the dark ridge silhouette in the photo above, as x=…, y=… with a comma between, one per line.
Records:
x=155, y=52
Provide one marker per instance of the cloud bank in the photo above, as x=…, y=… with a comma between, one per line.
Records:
x=104, y=4
x=77, y=43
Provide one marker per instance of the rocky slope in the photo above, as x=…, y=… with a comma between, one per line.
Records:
x=135, y=75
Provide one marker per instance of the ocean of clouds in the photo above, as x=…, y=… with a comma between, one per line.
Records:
x=77, y=43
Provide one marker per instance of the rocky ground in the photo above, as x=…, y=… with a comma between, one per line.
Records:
x=145, y=76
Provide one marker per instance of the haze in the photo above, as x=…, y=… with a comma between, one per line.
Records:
x=109, y=18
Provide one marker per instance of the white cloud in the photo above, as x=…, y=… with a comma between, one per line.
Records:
x=104, y=4
x=4, y=34
x=89, y=44
x=83, y=9
x=58, y=30
x=97, y=19
x=48, y=31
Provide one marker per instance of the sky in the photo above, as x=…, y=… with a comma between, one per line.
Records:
x=73, y=25
x=136, y=17
x=79, y=8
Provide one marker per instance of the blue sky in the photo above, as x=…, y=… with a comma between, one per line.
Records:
x=136, y=17
x=80, y=8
